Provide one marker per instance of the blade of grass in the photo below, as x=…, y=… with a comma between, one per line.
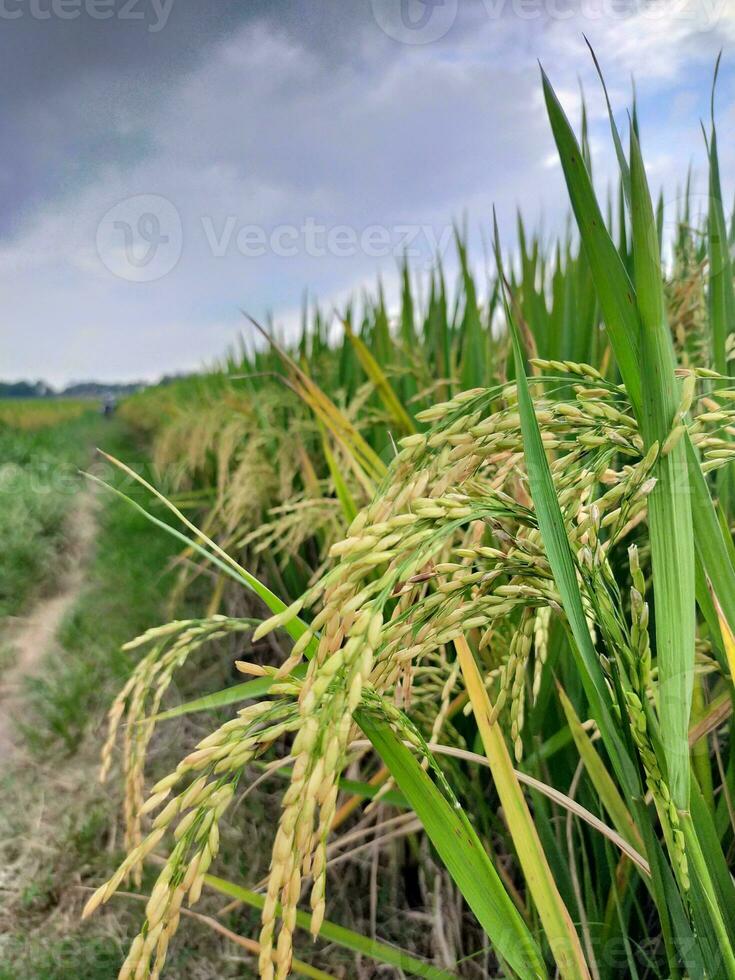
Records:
x=346, y=500
x=561, y=560
x=221, y=699
x=622, y=162
x=619, y=308
x=614, y=289
x=712, y=548
x=557, y=923
x=389, y=398
x=673, y=556
x=611, y=276
x=669, y=509
x=601, y=780
x=296, y=627
x=460, y=850
x=721, y=287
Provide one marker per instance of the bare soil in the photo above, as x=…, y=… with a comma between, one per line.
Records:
x=31, y=638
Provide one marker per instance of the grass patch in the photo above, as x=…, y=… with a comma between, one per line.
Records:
x=94, y=958
x=39, y=481
x=128, y=580
x=59, y=829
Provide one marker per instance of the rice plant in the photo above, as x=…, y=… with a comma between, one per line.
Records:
x=517, y=626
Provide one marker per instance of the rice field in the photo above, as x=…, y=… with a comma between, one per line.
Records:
x=473, y=559
x=39, y=413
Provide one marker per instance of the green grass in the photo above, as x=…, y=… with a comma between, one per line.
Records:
x=90, y=958
x=38, y=485
x=127, y=583
x=32, y=414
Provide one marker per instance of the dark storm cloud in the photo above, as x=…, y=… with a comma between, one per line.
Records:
x=75, y=93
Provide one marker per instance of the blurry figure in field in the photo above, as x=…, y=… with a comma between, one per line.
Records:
x=109, y=404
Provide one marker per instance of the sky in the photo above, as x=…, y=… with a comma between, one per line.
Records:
x=168, y=163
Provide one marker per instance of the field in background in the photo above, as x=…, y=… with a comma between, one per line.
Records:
x=38, y=413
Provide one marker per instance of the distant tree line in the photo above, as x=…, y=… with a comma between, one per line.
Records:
x=78, y=389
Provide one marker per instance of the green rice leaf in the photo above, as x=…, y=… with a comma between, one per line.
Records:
x=554, y=915
x=235, y=694
x=460, y=849
x=669, y=510
x=296, y=627
x=721, y=288
x=561, y=559
x=614, y=288
x=377, y=375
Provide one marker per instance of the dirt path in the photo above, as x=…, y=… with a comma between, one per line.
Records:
x=32, y=637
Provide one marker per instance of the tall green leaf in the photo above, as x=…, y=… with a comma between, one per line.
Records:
x=561, y=560
x=669, y=509
x=614, y=289
x=460, y=850
x=557, y=923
